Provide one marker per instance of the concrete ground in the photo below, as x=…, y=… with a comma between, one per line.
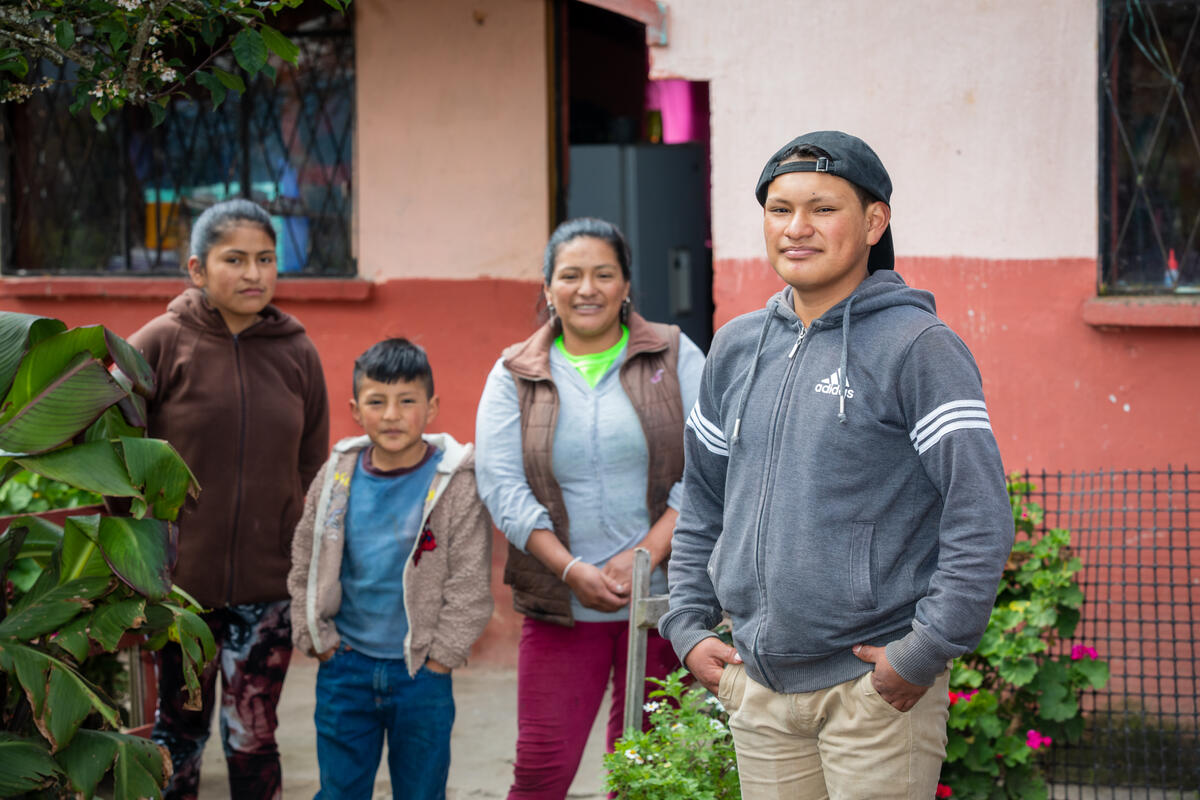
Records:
x=483, y=742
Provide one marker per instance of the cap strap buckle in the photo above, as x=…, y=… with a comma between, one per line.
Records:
x=822, y=165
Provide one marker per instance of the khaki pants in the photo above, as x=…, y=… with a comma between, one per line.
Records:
x=843, y=743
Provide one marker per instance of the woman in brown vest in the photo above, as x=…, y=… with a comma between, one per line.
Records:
x=579, y=454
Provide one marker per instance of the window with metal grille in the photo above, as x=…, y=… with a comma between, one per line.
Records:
x=1149, y=146
x=117, y=198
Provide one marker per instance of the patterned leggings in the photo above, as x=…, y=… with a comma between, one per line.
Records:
x=254, y=646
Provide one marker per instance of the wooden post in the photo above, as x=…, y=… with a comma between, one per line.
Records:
x=644, y=613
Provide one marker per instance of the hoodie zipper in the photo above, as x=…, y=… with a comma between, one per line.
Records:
x=241, y=457
x=784, y=392
x=799, y=341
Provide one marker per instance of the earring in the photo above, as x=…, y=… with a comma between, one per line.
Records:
x=626, y=306
x=550, y=310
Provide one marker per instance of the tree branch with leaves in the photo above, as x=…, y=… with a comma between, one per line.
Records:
x=119, y=52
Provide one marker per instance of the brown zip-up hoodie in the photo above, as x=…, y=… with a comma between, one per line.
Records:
x=651, y=381
x=249, y=415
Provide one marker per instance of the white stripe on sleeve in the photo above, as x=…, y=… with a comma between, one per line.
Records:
x=946, y=418
x=709, y=434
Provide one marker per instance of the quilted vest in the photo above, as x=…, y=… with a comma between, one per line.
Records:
x=651, y=381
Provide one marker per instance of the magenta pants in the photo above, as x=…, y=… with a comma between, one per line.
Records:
x=561, y=677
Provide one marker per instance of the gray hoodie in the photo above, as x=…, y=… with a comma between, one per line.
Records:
x=842, y=486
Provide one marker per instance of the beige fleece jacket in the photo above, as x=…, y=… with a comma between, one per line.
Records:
x=447, y=594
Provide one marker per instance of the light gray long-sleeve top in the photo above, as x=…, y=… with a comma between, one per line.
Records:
x=600, y=463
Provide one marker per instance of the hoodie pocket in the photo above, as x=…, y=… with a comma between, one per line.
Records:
x=862, y=565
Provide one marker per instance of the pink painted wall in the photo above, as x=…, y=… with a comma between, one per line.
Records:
x=452, y=138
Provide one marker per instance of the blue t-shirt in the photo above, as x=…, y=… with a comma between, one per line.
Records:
x=383, y=521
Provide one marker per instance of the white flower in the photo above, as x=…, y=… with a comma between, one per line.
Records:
x=633, y=756
x=129, y=5
x=650, y=708
x=716, y=725
x=677, y=726
x=168, y=75
x=712, y=700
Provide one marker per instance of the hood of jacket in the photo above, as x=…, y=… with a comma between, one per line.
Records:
x=194, y=311
x=454, y=453
x=879, y=291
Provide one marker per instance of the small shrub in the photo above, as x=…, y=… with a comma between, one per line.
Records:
x=687, y=752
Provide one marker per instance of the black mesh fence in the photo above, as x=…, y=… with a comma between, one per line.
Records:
x=1137, y=533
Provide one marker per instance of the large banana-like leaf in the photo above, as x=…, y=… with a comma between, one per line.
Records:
x=140, y=767
x=38, y=539
x=113, y=424
x=59, y=697
x=25, y=765
x=127, y=359
x=49, y=357
x=54, y=608
x=17, y=333
x=73, y=638
x=95, y=466
x=196, y=641
x=136, y=549
x=68, y=405
x=166, y=480
x=81, y=556
x=112, y=620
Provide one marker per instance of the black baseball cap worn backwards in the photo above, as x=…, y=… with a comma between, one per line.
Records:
x=848, y=157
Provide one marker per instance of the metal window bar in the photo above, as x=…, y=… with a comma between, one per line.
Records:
x=1149, y=146
x=118, y=197
x=1136, y=534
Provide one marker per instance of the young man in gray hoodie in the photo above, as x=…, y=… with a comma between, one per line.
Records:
x=844, y=501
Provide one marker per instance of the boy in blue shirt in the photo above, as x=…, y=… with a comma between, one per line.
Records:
x=390, y=582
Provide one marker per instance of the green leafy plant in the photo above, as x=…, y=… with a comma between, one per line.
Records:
x=1018, y=694
x=29, y=493
x=77, y=590
x=687, y=752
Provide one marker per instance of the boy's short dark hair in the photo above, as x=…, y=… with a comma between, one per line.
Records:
x=393, y=360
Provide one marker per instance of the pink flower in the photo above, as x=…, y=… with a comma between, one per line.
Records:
x=1036, y=740
x=1081, y=650
x=943, y=791
x=964, y=696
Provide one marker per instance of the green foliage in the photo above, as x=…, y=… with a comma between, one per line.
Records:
x=688, y=751
x=1018, y=693
x=29, y=493
x=73, y=592
x=126, y=51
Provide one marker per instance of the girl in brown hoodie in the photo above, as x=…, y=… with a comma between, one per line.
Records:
x=241, y=395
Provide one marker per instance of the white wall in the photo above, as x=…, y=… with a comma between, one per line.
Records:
x=983, y=111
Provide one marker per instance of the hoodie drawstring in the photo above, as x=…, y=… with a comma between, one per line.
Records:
x=843, y=374
x=843, y=367
x=741, y=407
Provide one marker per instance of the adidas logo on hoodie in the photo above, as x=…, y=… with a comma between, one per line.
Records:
x=830, y=386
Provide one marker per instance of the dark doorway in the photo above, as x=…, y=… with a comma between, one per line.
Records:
x=636, y=152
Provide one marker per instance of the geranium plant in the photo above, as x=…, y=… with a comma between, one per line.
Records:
x=1018, y=694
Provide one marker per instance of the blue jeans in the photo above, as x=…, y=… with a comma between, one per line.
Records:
x=359, y=700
